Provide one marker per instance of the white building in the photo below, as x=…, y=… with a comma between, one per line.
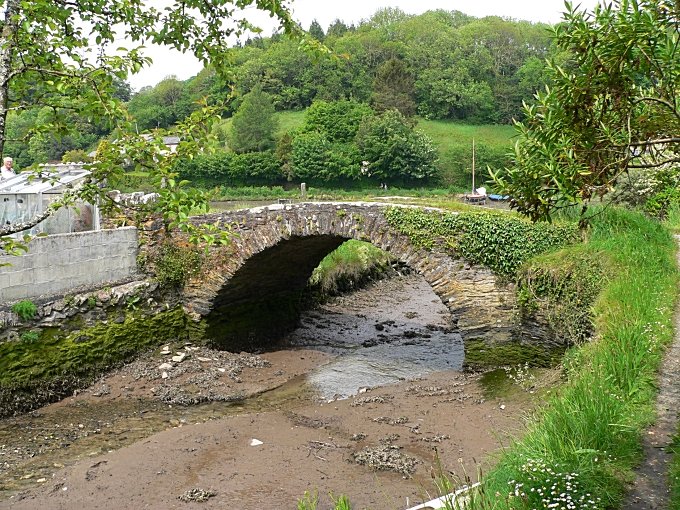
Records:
x=26, y=195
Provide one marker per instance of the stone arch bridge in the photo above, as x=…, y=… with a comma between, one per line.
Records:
x=252, y=288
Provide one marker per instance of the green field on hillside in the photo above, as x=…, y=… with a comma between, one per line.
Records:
x=453, y=141
x=290, y=120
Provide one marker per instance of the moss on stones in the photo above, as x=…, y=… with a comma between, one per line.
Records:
x=479, y=355
x=59, y=361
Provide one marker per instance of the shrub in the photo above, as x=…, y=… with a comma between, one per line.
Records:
x=337, y=121
x=656, y=190
x=315, y=157
x=394, y=151
x=30, y=336
x=175, y=263
x=228, y=168
x=26, y=310
x=76, y=156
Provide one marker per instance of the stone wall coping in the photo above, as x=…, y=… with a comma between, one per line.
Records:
x=303, y=205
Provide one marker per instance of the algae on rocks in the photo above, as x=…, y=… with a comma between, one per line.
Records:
x=74, y=340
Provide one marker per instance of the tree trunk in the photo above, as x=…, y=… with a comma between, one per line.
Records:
x=7, y=41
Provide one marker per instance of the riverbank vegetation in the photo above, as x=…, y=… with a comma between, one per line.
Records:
x=348, y=267
x=498, y=241
x=612, y=297
x=583, y=444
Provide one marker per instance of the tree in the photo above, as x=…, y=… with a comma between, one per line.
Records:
x=337, y=28
x=394, y=151
x=338, y=121
x=58, y=53
x=314, y=157
x=316, y=31
x=254, y=124
x=393, y=87
x=612, y=107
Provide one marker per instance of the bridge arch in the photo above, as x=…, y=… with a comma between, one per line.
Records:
x=251, y=291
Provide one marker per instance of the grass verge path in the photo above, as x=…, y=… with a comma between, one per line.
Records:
x=651, y=489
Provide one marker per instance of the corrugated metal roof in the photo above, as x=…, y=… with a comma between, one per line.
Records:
x=56, y=177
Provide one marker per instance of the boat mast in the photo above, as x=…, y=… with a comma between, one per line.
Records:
x=473, y=166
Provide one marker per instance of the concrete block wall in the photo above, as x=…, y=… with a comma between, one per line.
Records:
x=58, y=263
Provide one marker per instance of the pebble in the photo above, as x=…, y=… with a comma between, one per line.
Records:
x=165, y=366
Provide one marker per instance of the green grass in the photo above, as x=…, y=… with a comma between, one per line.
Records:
x=454, y=142
x=674, y=473
x=346, y=267
x=586, y=439
x=290, y=120
x=446, y=132
x=673, y=219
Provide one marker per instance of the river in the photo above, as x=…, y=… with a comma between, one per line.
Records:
x=318, y=405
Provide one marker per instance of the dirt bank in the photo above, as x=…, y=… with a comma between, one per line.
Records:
x=129, y=442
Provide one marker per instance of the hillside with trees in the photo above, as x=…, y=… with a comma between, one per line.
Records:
x=438, y=65
x=435, y=66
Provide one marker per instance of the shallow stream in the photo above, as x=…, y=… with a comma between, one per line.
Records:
x=396, y=329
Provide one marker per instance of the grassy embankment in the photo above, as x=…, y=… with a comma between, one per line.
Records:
x=673, y=223
x=581, y=447
x=348, y=267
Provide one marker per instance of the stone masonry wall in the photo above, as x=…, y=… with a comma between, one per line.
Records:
x=481, y=307
x=59, y=263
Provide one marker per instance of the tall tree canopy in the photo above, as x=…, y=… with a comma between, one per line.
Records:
x=58, y=54
x=254, y=124
x=612, y=106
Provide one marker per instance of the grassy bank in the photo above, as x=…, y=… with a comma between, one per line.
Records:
x=346, y=268
x=674, y=473
x=581, y=447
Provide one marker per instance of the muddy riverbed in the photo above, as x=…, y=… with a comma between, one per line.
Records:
x=366, y=399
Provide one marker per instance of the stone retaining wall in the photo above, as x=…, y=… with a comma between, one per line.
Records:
x=56, y=264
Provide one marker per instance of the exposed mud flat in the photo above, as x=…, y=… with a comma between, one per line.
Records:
x=129, y=442
x=396, y=329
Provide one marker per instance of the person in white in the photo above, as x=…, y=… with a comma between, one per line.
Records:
x=7, y=172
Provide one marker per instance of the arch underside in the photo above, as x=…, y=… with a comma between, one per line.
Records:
x=261, y=302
